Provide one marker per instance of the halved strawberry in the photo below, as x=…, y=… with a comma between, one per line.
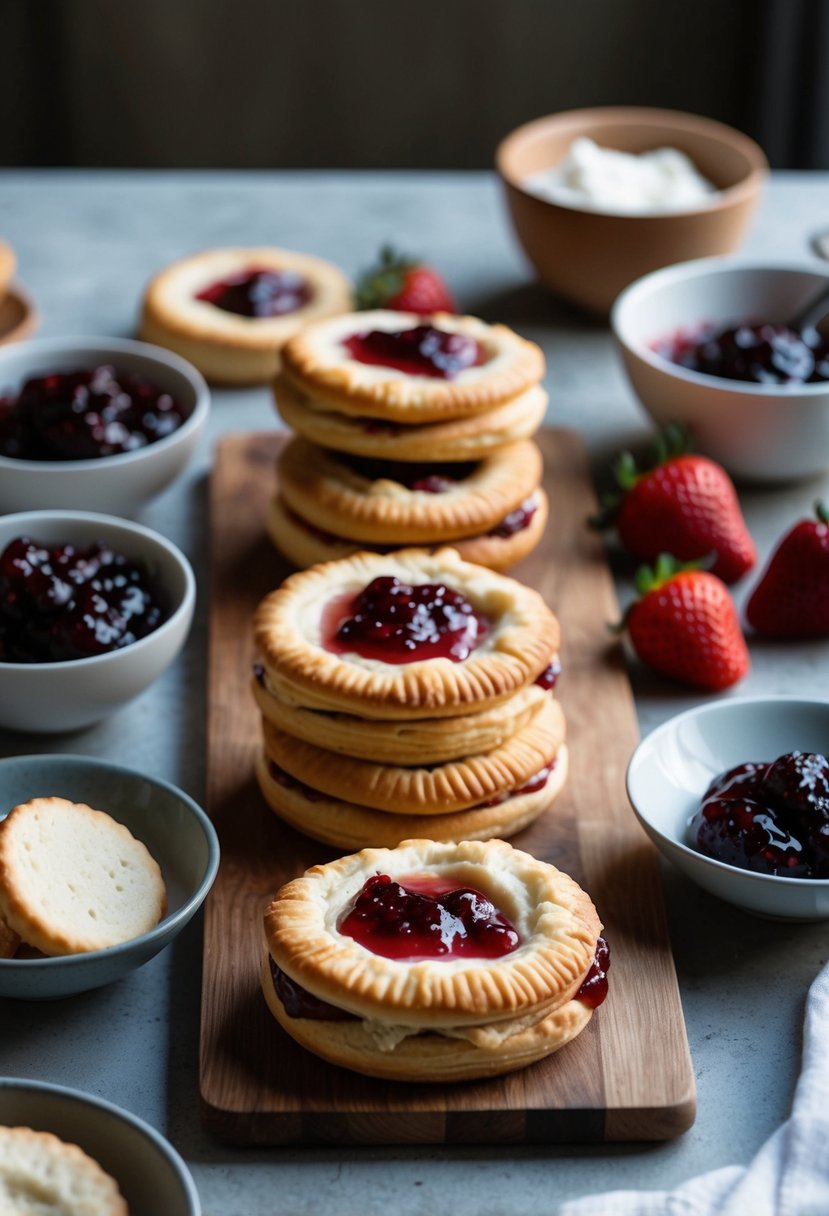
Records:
x=404, y=285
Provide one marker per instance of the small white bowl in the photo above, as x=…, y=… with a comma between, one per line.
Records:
x=671, y=769
x=44, y=697
x=120, y=484
x=151, y=1174
x=174, y=828
x=762, y=432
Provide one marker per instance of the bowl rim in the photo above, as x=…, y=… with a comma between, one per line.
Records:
x=622, y=116
x=702, y=268
x=170, y=923
x=185, y=606
x=113, y=346
x=779, y=881
x=160, y=1143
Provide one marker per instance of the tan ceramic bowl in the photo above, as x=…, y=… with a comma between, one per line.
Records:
x=589, y=256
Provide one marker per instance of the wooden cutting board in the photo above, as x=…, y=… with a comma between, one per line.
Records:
x=629, y=1075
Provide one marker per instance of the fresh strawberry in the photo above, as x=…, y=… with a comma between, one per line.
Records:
x=685, y=505
x=791, y=600
x=685, y=625
x=404, y=285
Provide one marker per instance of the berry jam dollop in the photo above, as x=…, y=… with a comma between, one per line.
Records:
x=549, y=676
x=430, y=478
x=85, y=414
x=427, y=917
x=421, y=351
x=396, y=622
x=593, y=989
x=756, y=352
x=772, y=818
x=517, y=520
x=67, y=602
x=300, y=1003
x=258, y=292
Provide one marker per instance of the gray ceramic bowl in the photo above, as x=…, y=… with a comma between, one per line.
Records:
x=152, y=1176
x=673, y=766
x=120, y=484
x=175, y=830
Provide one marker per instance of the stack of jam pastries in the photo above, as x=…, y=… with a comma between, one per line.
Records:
x=230, y=311
x=410, y=431
x=407, y=694
x=434, y=961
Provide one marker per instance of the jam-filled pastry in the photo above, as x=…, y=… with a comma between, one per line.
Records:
x=421, y=741
x=230, y=311
x=434, y=961
x=467, y=438
x=412, y=634
x=401, y=367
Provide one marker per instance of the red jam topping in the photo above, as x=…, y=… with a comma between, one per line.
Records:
x=549, y=676
x=85, y=414
x=290, y=783
x=770, y=818
x=65, y=602
x=258, y=292
x=532, y=786
x=398, y=623
x=757, y=352
x=517, y=520
x=594, y=986
x=421, y=351
x=430, y=478
x=426, y=917
x=299, y=1003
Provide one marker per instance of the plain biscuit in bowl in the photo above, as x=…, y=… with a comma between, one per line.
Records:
x=41, y=1175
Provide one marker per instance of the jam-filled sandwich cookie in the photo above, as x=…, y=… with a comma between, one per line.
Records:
x=399, y=367
x=230, y=311
x=330, y=505
x=434, y=962
x=42, y=1174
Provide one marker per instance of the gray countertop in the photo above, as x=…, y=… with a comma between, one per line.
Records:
x=87, y=243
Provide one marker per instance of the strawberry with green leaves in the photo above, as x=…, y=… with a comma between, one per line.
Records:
x=685, y=505
x=791, y=599
x=404, y=285
x=685, y=626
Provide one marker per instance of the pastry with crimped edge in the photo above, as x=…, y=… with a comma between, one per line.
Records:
x=73, y=879
x=432, y=961
x=467, y=438
x=42, y=1175
x=412, y=634
x=230, y=311
x=401, y=367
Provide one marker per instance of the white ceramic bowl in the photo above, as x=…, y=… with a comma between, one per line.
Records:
x=671, y=769
x=761, y=432
x=152, y=1176
x=118, y=484
x=173, y=827
x=44, y=697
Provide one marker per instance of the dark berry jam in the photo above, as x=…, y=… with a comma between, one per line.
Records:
x=425, y=917
x=549, y=676
x=299, y=1003
x=258, y=292
x=421, y=351
x=399, y=623
x=756, y=352
x=770, y=818
x=67, y=602
x=517, y=520
x=593, y=990
x=86, y=414
x=288, y=782
x=531, y=786
x=431, y=478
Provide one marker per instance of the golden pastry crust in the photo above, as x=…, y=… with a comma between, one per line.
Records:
x=344, y=825
x=468, y=438
x=523, y=633
x=225, y=347
x=365, y=502
x=429, y=789
x=428, y=1056
x=318, y=364
x=9, y=940
x=8, y=265
x=40, y=1173
x=555, y=919
x=417, y=742
x=304, y=546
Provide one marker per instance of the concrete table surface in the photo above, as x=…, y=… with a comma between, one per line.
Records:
x=87, y=242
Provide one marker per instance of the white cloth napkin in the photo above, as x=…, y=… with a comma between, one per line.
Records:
x=789, y=1175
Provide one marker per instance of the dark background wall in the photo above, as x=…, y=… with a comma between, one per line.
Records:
x=385, y=83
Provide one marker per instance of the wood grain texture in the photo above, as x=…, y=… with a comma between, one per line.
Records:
x=629, y=1075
